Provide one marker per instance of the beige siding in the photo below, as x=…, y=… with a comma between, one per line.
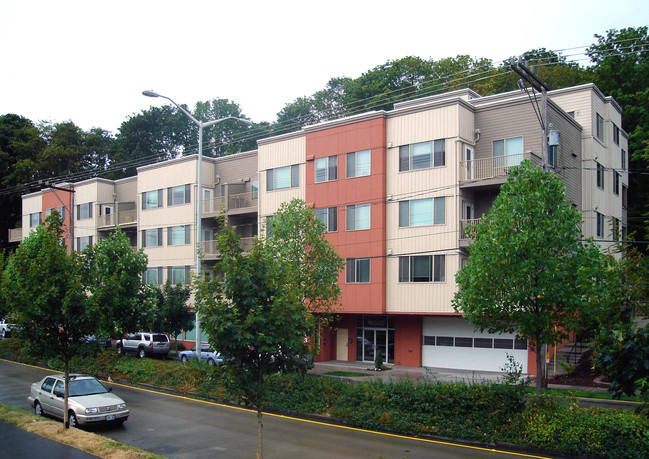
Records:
x=416, y=127
x=569, y=153
x=32, y=203
x=126, y=190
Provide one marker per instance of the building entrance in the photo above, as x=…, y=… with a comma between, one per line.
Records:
x=375, y=333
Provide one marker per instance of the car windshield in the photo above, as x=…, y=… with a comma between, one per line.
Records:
x=80, y=387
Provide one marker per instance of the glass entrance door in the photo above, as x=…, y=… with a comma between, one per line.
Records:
x=374, y=340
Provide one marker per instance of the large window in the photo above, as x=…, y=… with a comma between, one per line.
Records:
x=624, y=196
x=623, y=159
x=359, y=163
x=329, y=216
x=60, y=210
x=616, y=183
x=422, y=268
x=178, y=195
x=178, y=274
x=508, y=152
x=421, y=212
x=83, y=242
x=283, y=177
x=326, y=169
x=358, y=217
x=422, y=155
x=152, y=199
x=84, y=211
x=357, y=270
x=600, y=225
x=152, y=237
x=153, y=276
x=178, y=235
x=34, y=219
x=616, y=134
x=600, y=175
x=599, y=126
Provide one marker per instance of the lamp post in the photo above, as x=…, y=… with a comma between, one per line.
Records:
x=199, y=198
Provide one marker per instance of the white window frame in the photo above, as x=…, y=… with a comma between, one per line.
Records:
x=435, y=209
x=34, y=219
x=359, y=164
x=354, y=270
x=326, y=169
x=293, y=180
x=178, y=235
x=84, y=211
x=148, y=202
x=506, y=152
x=354, y=223
x=328, y=216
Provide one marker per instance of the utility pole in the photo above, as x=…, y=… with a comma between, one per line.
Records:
x=528, y=76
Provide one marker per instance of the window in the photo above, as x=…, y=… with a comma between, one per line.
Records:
x=152, y=199
x=326, y=169
x=60, y=210
x=552, y=155
x=508, y=152
x=600, y=175
x=358, y=217
x=83, y=242
x=623, y=159
x=624, y=196
x=600, y=225
x=616, y=183
x=178, y=235
x=328, y=216
x=153, y=276
x=255, y=189
x=282, y=177
x=269, y=219
x=34, y=219
x=358, y=270
x=84, y=211
x=420, y=212
x=178, y=274
x=359, y=163
x=616, y=134
x=422, y=268
x=178, y=195
x=152, y=237
x=422, y=155
x=599, y=126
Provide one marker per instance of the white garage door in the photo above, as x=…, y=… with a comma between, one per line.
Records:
x=451, y=342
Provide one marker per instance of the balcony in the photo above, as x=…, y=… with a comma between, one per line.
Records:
x=16, y=235
x=234, y=204
x=125, y=218
x=465, y=236
x=209, y=248
x=494, y=170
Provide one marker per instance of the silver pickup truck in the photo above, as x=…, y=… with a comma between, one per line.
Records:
x=5, y=328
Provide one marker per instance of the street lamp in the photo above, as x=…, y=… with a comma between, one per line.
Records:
x=201, y=125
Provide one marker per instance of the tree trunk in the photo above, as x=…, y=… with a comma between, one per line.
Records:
x=260, y=440
x=540, y=365
x=66, y=417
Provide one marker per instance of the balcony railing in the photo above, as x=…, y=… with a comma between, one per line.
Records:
x=15, y=235
x=209, y=247
x=464, y=235
x=496, y=166
x=231, y=202
x=120, y=218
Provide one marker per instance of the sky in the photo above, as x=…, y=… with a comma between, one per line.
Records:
x=89, y=61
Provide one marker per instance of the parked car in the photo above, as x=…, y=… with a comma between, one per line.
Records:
x=144, y=344
x=207, y=354
x=89, y=401
x=5, y=328
x=101, y=342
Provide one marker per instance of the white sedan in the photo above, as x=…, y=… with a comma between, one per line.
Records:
x=89, y=401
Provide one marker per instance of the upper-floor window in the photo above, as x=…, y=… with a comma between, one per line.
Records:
x=600, y=225
x=600, y=175
x=178, y=274
x=84, y=211
x=422, y=155
x=153, y=276
x=421, y=212
x=255, y=189
x=152, y=199
x=180, y=194
x=326, y=169
x=623, y=159
x=616, y=134
x=359, y=163
x=282, y=177
x=59, y=209
x=624, y=196
x=599, y=126
x=178, y=235
x=34, y=219
x=152, y=237
x=422, y=268
x=616, y=183
x=358, y=217
x=83, y=242
x=553, y=155
x=508, y=152
x=357, y=270
x=329, y=216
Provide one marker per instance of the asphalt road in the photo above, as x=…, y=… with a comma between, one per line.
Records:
x=178, y=427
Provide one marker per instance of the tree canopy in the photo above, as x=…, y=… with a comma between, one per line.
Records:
x=529, y=270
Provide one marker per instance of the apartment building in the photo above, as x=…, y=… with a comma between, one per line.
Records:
x=395, y=189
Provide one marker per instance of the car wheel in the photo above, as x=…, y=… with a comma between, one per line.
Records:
x=140, y=353
x=183, y=358
x=38, y=409
x=120, y=351
x=72, y=419
x=211, y=362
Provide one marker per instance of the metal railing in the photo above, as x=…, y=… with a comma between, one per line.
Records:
x=496, y=166
x=231, y=202
x=210, y=251
x=121, y=218
x=463, y=224
x=15, y=235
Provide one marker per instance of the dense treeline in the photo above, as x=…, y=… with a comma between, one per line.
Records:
x=31, y=153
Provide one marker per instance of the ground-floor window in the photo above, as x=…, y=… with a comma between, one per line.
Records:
x=374, y=333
